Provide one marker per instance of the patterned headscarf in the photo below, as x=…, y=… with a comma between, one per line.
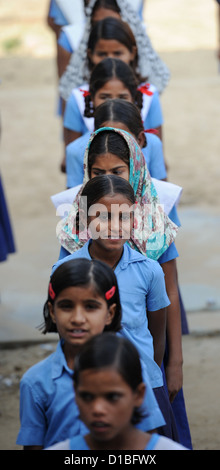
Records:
x=150, y=65
x=153, y=231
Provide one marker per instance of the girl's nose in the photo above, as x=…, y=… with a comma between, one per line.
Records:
x=114, y=225
x=98, y=407
x=110, y=55
x=78, y=316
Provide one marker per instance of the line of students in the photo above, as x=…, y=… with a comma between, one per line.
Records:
x=116, y=272
x=106, y=153
x=112, y=30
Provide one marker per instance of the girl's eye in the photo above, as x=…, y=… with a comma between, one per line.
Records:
x=117, y=172
x=125, y=216
x=104, y=97
x=103, y=216
x=91, y=306
x=65, y=305
x=85, y=396
x=101, y=54
x=113, y=397
x=124, y=97
x=98, y=172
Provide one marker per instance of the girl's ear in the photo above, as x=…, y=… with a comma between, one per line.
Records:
x=111, y=314
x=139, y=394
x=141, y=139
x=51, y=312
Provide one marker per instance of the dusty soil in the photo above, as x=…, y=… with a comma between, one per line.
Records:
x=31, y=150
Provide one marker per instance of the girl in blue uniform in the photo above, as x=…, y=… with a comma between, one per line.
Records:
x=83, y=301
x=109, y=392
x=140, y=279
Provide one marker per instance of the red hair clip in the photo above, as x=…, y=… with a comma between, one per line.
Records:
x=151, y=131
x=84, y=92
x=109, y=294
x=51, y=292
x=144, y=89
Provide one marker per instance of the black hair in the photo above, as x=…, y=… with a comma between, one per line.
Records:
x=106, y=70
x=100, y=186
x=109, y=350
x=83, y=272
x=108, y=4
x=121, y=111
x=112, y=29
x=108, y=142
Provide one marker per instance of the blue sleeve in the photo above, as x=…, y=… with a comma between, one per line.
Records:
x=74, y=160
x=152, y=415
x=154, y=116
x=170, y=254
x=157, y=296
x=57, y=15
x=32, y=417
x=64, y=42
x=154, y=157
x=173, y=215
x=63, y=253
x=72, y=116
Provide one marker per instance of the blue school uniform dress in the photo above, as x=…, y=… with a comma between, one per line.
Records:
x=153, y=154
x=48, y=411
x=56, y=13
x=64, y=42
x=75, y=120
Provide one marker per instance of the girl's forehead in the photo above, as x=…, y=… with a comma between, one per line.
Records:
x=111, y=200
x=117, y=125
x=109, y=44
x=109, y=159
x=115, y=83
x=103, y=12
x=105, y=376
x=80, y=291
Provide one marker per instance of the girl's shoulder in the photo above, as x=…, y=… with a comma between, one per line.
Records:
x=40, y=370
x=165, y=443
x=133, y=255
x=78, y=443
x=153, y=139
x=81, y=90
x=146, y=268
x=75, y=443
x=79, y=143
x=63, y=445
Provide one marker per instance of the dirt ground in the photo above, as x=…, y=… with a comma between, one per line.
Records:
x=31, y=150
